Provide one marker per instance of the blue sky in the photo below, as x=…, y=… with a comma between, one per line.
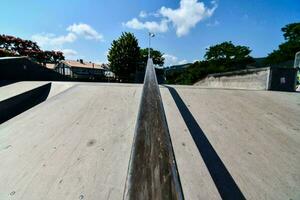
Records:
x=184, y=28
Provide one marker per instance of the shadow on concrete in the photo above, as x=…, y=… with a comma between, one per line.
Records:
x=224, y=182
x=14, y=106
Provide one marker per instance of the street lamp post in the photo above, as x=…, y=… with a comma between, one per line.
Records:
x=150, y=36
x=297, y=60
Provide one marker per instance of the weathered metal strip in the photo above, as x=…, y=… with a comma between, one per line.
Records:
x=152, y=172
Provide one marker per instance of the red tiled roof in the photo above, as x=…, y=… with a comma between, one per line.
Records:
x=74, y=63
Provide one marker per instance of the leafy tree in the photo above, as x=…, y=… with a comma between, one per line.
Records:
x=124, y=57
x=53, y=56
x=156, y=56
x=5, y=53
x=13, y=46
x=291, y=32
x=289, y=48
x=229, y=56
x=227, y=52
x=285, y=52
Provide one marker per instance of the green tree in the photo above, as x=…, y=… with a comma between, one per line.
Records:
x=291, y=32
x=156, y=56
x=287, y=50
x=228, y=52
x=229, y=56
x=124, y=57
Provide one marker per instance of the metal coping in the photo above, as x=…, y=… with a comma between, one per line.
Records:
x=152, y=171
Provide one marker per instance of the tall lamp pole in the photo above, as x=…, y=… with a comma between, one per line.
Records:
x=150, y=36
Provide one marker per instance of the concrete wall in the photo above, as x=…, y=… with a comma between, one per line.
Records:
x=255, y=79
x=22, y=68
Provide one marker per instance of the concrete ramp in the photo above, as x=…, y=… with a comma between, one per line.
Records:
x=228, y=144
x=15, y=89
x=19, y=97
x=75, y=145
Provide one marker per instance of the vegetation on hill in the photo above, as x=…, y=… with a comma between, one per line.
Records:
x=287, y=50
x=13, y=46
x=218, y=58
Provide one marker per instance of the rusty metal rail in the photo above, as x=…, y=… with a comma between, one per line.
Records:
x=152, y=172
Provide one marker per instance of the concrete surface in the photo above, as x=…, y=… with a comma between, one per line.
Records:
x=255, y=133
x=14, y=89
x=17, y=88
x=76, y=144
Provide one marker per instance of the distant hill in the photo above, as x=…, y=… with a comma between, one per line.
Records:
x=260, y=62
x=178, y=67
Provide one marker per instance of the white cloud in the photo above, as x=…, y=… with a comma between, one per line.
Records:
x=187, y=15
x=173, y=60
x=182, y=62
x=212, y=24
x=184, y=18
x=52, y=41
x=69, y=52
x=150, y=26
x=143, y=14
x=170, y=60
x=46, y=40
x=86, y=31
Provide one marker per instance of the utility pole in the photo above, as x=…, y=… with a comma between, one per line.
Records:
x=150, y=36
x=297, y=60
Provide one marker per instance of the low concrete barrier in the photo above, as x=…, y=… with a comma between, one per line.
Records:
x=254, y=79
x=15, y=105
x=152, y=172
x=278, y=79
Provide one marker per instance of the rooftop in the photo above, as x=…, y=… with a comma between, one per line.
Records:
x=82, y=64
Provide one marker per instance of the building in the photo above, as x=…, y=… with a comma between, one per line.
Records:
x=23, y=68
x=80, y=69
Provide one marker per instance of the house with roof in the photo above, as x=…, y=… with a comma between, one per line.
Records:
x=80, y=69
